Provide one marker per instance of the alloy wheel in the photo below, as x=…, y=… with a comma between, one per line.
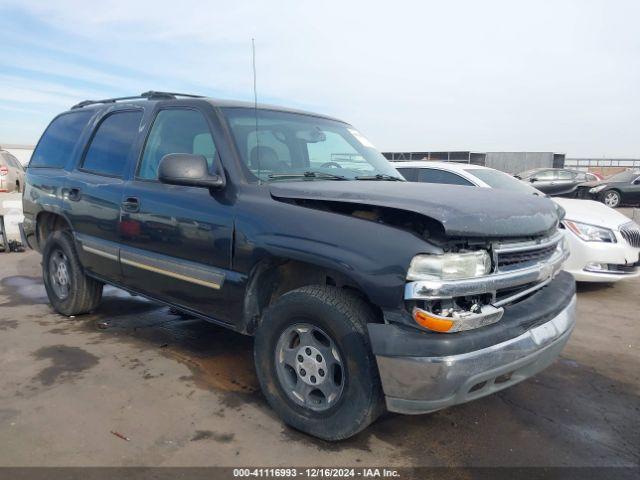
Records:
x=611, y=199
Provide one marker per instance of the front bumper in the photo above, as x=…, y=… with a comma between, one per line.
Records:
x=416, y=383
x=583, y=253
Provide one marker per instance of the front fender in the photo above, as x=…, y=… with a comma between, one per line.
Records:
x=374, y=256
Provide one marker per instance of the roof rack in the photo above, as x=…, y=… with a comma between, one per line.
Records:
x=150, y=95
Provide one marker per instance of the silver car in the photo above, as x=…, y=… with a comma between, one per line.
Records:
x=11, y=173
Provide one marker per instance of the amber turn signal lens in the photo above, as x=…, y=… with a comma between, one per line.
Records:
x=424, y=319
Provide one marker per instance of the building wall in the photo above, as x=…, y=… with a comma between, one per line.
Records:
x=515, y=162
x=509, y=162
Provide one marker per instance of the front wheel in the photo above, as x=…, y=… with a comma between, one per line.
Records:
x=611, y=198
x=314, y=362
x=70, y=291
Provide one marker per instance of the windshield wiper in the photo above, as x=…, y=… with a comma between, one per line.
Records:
x=308, y=174
x=380, y=176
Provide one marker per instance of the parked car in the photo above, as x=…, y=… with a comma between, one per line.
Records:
x=362, y=293
x=604, y=244
x=11, y=173
x=619, y=189
x=556, y=181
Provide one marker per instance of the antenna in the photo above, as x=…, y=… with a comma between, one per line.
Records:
x=255, y=106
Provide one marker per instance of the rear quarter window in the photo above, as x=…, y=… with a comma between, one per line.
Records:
x=59, y=139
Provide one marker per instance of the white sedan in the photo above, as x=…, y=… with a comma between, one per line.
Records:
x=604, y=244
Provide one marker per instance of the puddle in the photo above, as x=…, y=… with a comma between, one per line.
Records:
x=21, y=290
x=219, y=359
x=8, y=324
x=215, y=436
x=66, y=363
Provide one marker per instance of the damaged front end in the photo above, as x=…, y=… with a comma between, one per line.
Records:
x=460, y=296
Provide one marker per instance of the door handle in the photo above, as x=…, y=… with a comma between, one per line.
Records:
x=73, y=194
x=131, y=204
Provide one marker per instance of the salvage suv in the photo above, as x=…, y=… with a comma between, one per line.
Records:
x=363, y=291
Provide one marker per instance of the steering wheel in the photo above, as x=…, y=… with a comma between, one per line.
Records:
x=331, y=164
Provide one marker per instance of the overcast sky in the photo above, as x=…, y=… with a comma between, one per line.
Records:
x=539, y=75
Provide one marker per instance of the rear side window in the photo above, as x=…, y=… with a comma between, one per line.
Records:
x=59, y=140
x=431, y=175
x=111, y=145
x=411, y=174
x=14, y=161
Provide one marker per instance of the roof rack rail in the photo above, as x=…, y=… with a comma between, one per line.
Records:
x=150, y=95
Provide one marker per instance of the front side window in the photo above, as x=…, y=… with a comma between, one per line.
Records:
x=59, y=140
x=566, y=175
x=111, y=144
x=278, y=145
x=176, y=131
x=432, y=175
x=545, y=175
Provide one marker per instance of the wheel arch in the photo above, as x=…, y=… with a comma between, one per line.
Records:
x=47, y=223
x=272, y=277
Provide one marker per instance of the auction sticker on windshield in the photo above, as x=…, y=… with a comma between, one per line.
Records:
x=361, y=138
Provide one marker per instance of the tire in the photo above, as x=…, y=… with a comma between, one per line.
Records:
x=83, y=294
x=611, y=198
x=342, y=317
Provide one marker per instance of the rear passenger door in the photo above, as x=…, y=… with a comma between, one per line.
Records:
x=565, y=183
x=176, y=240
x=94, y=191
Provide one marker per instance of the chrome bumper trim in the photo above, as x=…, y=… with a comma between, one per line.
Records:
x=436, y=289
x=425, y=384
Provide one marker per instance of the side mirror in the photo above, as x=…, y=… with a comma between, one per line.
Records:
x=636, y=181
x=533, y=179
x=188, y=170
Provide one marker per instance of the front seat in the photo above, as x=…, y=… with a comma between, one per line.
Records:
x=266, y=158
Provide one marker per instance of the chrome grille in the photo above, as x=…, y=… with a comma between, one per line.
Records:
x=631, y=233
x=517, y=255
x=536, y=255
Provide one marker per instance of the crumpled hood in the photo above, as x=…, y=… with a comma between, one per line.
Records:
x=463, y=211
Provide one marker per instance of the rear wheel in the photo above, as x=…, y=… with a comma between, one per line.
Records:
x=314, y=362
x=70, y=291
x=611, y=198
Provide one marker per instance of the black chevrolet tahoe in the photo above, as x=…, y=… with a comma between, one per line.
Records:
x=363, y=292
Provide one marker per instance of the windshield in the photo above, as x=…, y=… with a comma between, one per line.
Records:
x=626, y=176
x=528, y=173
x=502, y=181
x=297, y=146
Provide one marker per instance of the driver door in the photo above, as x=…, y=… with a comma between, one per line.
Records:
x=176, y=240
x=544, y=181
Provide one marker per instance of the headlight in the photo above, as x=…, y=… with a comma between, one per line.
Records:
x=449, y=266
x=597, y=189
x=591, y=233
